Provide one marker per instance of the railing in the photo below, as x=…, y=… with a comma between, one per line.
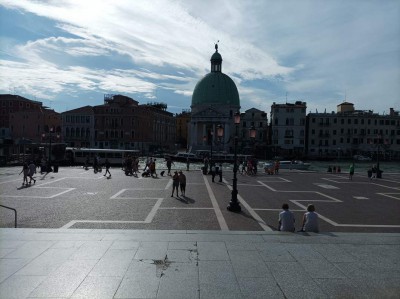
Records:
x=15, y=213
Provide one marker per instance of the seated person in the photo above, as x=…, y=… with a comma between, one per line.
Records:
x=310, y=220
x=286, y=219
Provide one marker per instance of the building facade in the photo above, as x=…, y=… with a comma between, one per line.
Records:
x=257, y=119
x=121, y=123
x=215, y=100
x=182, y=129
x=23, y=121
x=288, y=129
x=78, y=127
x=350, y=132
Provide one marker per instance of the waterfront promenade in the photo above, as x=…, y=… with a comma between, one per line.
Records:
x=81, y=235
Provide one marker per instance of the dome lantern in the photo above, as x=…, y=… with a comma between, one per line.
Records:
x=216, y=61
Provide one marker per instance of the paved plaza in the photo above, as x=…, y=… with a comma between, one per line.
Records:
x=75, y=198
x=81, y=235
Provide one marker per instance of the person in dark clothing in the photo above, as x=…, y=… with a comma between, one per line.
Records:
x=213, y=171
x=175, y=184
x=220, y=172
x=169, y=165
x=107, y=165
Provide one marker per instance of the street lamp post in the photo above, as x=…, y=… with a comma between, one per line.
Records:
x=50, y=137
x=234, y=203
x=253, y=136
x=378, y=171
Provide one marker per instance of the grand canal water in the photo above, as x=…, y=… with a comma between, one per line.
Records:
x=319, y=166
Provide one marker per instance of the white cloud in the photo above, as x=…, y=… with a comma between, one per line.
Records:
x=317, y=49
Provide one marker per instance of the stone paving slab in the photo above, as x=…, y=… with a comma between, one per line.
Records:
x=70, y=263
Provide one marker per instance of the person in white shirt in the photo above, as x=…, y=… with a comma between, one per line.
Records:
x=286, y=219
x=310, y=220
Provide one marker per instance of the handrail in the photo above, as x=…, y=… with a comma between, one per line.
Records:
x=15, y=212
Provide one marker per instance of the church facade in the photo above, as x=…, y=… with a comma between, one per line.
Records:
x=215, y=100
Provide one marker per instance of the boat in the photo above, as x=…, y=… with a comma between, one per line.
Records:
x=361, y=158
x=286, y=164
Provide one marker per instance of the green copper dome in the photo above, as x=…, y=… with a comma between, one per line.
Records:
x=216, y=88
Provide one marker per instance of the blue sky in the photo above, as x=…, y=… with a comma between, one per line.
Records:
x=69, y=54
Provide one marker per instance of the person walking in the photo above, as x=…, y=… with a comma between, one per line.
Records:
x=107, y=165
x=351, y=171
x=310, y=220
x=213, y=172
x=86, y=163
x=169, y=165
x=182, y=183
x=175, y=184
x=374, y=171
x=95, y=164
x=25, y=171
x=32, y=171
x=153, y=168
x=220, y=172
x=187, y=163
x=286, y=219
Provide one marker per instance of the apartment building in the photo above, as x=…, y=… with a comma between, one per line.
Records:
x=288, y=127
x=349, y=132
x=120, y=123
x=182, y=128
x=257, y=119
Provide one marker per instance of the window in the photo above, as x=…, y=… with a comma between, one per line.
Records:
x=334, y=132
x=342, y=121
x=276, y=121
x=356, y=121
x=335, y=120
x=313, y=120
x=349, y=121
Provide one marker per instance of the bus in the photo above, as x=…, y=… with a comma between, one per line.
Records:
x=78, y=156
x=37, y=151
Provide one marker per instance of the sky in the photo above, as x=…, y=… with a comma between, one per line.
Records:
x=69, y=53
